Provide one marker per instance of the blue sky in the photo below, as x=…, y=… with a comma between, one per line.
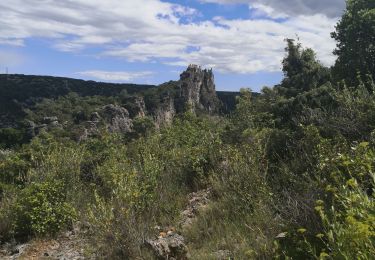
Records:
x=152, y=41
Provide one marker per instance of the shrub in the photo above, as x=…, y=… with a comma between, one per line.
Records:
x=41, y=209
x=346, y=207
x=6, y=225
x=347, y=210
x=14, y=168
x=240, y=219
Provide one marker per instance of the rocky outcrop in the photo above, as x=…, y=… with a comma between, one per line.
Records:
x=222, y=255
x=70, y=245
x=195, y=92
x=168, y=245
x=165, y=113
x=117, y=118
x=197, y=201
x=50, y=120
x=135, y=105
x=91, y=127
x=140, y=107
x=47, y=124
x=197, y=89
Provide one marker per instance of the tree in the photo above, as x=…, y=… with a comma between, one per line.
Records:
x=355, y=36
x=302, y=70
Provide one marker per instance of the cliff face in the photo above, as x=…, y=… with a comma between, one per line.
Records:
x=197, y=89
x=165, y=113
x=195, y=92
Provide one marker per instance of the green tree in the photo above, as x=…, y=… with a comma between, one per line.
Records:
x=302, y=70
x=355, y=36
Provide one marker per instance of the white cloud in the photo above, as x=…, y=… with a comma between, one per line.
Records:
x=151, y=30
x=331, y=8
x=115, y=76
x=11, y=42
x=259, y=10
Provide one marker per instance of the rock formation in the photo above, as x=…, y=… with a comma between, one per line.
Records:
x=197, y=89
x=47, y=124
x=165, y=112
x=115, y=118
x=195, y=92
x=140, y=106
x=168, y=245
x=118, y=119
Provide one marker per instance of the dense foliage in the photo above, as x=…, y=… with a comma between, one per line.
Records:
x=291, y=170
x=355, y=36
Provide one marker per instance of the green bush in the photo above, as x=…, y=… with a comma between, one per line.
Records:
x=13, y=168
x=240, y=219
x=41, y=209
x=348, y=209
x=6, y=221
x=10, y=137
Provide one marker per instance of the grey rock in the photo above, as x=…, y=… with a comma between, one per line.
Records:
x=197, y=202
x=30, y=132
x=223, y=255
x=115, y=118
x=54, y=124
x=95, y=117
x=197, y=88
x=12, y=251
x=170, y=246
x=141, y=106
x=40, y=128
x=118, y=118
x=90, y=127
x=165, y=113
x=49, y=119
x=48, y=123
x=195, y=92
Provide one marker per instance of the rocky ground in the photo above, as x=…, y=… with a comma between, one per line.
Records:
x=68, y=246
x=168, y=242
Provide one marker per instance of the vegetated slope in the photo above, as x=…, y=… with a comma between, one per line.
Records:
x=78, y=108
x=19, y=91
x=287, y=175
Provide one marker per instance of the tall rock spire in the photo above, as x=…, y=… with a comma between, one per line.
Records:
x=197, y=88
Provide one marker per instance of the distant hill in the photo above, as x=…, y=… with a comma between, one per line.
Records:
x=18, y=91
x=23, y=88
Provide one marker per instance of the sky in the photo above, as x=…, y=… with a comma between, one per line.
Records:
x=153, y=41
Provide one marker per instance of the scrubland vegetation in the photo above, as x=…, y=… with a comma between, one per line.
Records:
x=291, y=170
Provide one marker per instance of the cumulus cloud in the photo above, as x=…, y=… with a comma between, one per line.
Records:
x=156, y=31
x=115, y=76
x=331, y=8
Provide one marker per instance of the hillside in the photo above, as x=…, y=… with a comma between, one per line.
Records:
x=180, y=171
x=19, y=92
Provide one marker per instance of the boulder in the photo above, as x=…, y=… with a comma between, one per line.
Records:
x=168, y=245
x=117, y=118
x=95, y=117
